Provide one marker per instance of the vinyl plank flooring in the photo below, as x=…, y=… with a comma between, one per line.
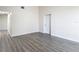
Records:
x=36, y=42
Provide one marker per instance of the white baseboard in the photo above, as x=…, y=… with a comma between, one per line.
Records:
x=13, y=35
x=67, y=38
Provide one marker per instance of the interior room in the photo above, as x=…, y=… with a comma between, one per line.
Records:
x=39, y=29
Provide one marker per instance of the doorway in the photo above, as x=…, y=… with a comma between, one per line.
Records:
x=47, y=24
x=5, y=21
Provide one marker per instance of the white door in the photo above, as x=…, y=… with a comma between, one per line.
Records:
x=47, y=24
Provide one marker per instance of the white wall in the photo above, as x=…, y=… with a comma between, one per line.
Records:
x=3, y=21
x=22, y=21
x=65, y=21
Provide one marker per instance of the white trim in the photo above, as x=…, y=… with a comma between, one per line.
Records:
x=67, y=38
x=14, y=35
x=9, y=24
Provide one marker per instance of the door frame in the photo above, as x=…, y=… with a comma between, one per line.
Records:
x=49, y=23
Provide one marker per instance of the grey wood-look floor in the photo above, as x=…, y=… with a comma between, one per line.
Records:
x=36, y=42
